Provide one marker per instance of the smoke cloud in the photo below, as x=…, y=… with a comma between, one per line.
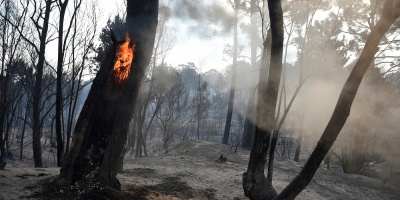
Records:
x=210, y=18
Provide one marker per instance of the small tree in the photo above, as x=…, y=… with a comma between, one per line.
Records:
x=200, y=105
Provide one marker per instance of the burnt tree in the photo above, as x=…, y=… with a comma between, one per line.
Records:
x=102, y=127
x=228, y=121
x=255, y=184
x=248, y=127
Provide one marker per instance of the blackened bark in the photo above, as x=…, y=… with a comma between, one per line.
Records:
x=102, y=127
x=37, y=89
x=271, y=154
x=391, y=12
x=3, y=111
x=233, y=81
x=142, y=25
x=3, y=91
x=60, y=61
x=255, y=184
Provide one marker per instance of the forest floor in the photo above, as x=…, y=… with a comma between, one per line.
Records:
x=191, y=171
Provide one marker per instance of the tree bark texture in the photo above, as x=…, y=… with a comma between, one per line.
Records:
x=102, y=127
x=255, y=184
x=233, y=81
x=391, y=12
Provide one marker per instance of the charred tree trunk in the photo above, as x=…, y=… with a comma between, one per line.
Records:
x=233, y=81
x=390, y=13
x=255, y=184
x=37, y=90
x=60, y=61
x=271, y=154
x=298, y=145
x=102, y=127
x=3, y=112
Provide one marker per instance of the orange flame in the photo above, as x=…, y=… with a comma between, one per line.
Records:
x=123, y=61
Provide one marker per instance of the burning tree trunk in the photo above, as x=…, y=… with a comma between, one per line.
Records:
x=103, y=124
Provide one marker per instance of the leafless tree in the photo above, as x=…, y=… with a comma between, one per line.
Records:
x=235, y=5
x=10, y=44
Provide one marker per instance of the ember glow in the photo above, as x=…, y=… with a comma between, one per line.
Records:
x=123, y=61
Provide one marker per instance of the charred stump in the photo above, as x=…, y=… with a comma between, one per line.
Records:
x=101, y=129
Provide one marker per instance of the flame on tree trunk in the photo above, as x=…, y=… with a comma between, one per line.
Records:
x=123, y=61
x=101, y=130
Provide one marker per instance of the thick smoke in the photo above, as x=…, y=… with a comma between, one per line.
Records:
x=210, y=18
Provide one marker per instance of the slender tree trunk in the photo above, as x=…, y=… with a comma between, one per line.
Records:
x=60, y=61
x=52, y=144
x=3, y=111
x=23, y=130
x=199, y=108
x=391, y=11
x=37, y=89
x=103, y=124
x=248, y=132
x=233, y=81
x=3, y=86
x=299, y=139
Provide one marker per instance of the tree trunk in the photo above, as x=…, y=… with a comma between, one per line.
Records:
x=248, y=132
x=37, y=90
x=255, y=184
x=60, y=61
x=23, y=130
x=3, y=87
x=103, y=124
x=3, y=112
x=233, y=81
x=298, y=145
x=391, y=12
x=199, y=109
x=299, y=139
x=271, y=155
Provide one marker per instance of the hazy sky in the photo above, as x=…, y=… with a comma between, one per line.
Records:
x=194, y=40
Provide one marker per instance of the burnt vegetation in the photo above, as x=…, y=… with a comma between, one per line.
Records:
x=316, y=82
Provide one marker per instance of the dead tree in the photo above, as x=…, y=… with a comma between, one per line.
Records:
x=255, y=184
x=233, y=82
x=102, y=127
